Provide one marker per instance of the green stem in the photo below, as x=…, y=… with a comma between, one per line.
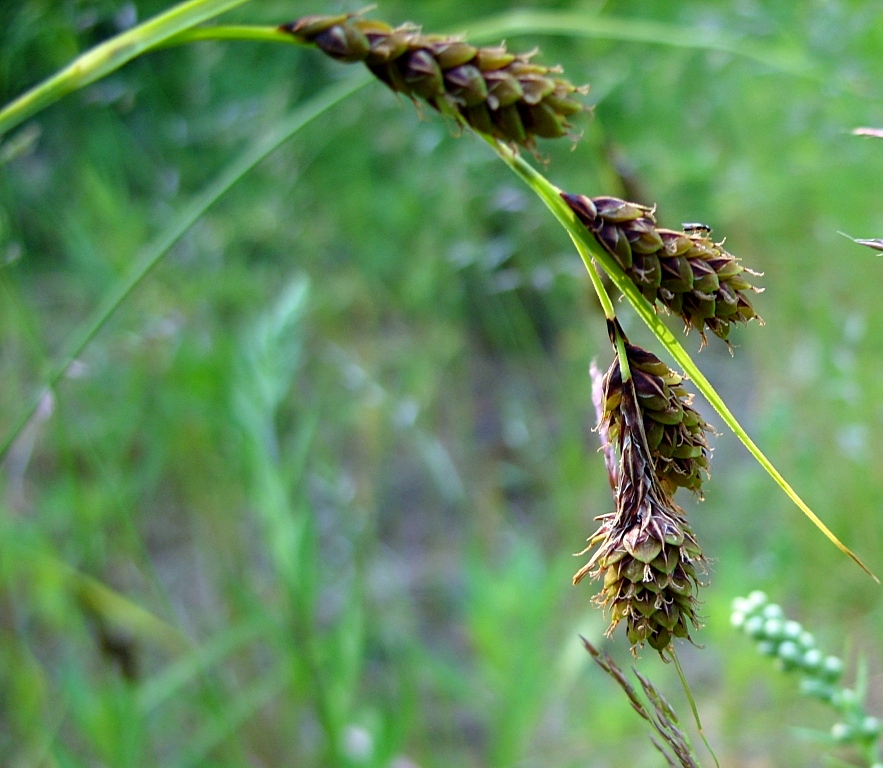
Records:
x=551, y=195
x=110, y=56
x=600, y=290
x=231, y=32
x=692, y=701
x=624, y=368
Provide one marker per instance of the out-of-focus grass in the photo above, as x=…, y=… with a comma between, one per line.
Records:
x=339, y=439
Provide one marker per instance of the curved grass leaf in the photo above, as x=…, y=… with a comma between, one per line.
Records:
x=569, y=24
x=111, y=55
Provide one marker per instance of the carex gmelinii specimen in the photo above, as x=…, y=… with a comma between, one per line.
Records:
x=654, y=441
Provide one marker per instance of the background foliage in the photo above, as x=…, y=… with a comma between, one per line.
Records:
x=339, y=440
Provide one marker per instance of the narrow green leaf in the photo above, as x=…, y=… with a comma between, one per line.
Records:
x=633, y=30
x=111, y=55
x=165, y=686
x=590, y=250
x=693, y=707
x=245, y=705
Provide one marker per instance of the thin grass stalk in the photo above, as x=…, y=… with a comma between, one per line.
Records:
x=226, y=32
x=782, y=58
x=237, y=711
x=693, y=706
x=269, y=355
x=169, y=683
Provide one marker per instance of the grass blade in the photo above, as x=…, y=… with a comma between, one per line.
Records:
x=645, y=32
x=109, y=56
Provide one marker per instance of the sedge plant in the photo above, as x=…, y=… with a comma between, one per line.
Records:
x=645, y=553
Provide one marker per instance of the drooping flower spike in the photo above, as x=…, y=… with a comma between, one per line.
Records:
x=647, y=556
x=501, y=94
x=687, y=272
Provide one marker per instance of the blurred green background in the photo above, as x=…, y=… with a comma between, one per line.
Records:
x=311, y=495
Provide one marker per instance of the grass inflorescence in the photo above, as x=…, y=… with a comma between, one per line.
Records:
x=496, y=92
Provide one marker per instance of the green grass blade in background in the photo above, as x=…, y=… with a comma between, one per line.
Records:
x=111, y=55
x=590, y=250
x=636, y=30
x=246, y=705
x=329, y=657
x=106, y=605
x=188, y=216
x=166, y=685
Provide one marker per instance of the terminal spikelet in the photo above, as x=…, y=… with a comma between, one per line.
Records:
x=504, y=95
x=648, y=555
x=686, y=271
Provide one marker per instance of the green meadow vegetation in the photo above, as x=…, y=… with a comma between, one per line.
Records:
x=296, y=414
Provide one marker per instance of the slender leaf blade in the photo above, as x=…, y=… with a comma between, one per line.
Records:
x=110, y=55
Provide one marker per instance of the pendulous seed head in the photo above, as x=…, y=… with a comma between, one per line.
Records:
x=647, y=556
x=686, y=272
x=504, y=95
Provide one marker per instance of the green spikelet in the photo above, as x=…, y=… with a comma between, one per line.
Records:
x=647, y=555
x=496, y=92
x=688, y=273
x=674, y=431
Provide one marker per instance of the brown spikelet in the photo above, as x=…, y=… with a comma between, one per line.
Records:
x=647, y=555
x=686, y=271
x=675, y=432
x=498, y=93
